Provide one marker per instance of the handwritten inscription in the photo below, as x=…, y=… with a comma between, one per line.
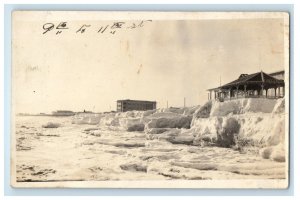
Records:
x=107, y=28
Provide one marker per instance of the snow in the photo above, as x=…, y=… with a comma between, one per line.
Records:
x=255, y=121
x=174, y=122
x=226, y=136
x=240, y=106
x=164, y=115
x=51, y=125
x=184, y=143
x=276, y=153
x=206, y=128
x=279, y=106
x=86, y=118
x=203, y=111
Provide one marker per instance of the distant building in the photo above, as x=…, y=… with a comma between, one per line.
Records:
x=128, y=105
x=63, y=113
x=257, y=85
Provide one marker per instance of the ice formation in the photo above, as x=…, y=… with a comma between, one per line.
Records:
x=238, y=123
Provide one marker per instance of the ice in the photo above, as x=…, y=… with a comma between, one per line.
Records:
x=132, y=124
x=203, y=111
x=134, y=167
x=230, y=128
x=170, y=122
x=162, y=144
x=86, y=118
x=51, y=125
x=279, y=106
x=240, y=106
x=276, y=153
x=156, y=130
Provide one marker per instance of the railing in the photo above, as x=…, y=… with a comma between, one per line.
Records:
x=221, y=99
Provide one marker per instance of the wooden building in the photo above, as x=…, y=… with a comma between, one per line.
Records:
x=128, y=105
x=278, y=75
x=254, y=85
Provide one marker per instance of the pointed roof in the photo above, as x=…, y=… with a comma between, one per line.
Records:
x=253, y=79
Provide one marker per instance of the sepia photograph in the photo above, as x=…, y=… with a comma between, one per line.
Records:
x=150, y=99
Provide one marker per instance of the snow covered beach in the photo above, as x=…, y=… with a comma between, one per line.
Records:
x=237, y=139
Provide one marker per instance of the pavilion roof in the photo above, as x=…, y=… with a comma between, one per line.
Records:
x=252, y=79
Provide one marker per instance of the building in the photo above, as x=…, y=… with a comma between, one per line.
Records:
x=279, y=75
x=127, y=105
x=63, y=113
x=254, y=85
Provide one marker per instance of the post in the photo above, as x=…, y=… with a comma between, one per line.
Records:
x=262, y=90
x=275, y=92
x=237, y=91
x=283, y=91
x=245, y=90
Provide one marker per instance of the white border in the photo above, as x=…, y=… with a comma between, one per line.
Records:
x=296, y=95
x=86, y=15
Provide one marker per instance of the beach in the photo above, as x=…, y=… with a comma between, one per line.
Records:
x=97, y=152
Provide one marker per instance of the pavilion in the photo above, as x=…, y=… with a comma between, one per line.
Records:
x=257, y=85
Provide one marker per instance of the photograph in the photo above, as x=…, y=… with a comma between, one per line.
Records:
x=131, y=99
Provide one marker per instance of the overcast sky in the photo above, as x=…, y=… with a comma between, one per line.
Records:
x=165, y=60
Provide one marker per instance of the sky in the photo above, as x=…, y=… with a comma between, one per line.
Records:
x=163, y=61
